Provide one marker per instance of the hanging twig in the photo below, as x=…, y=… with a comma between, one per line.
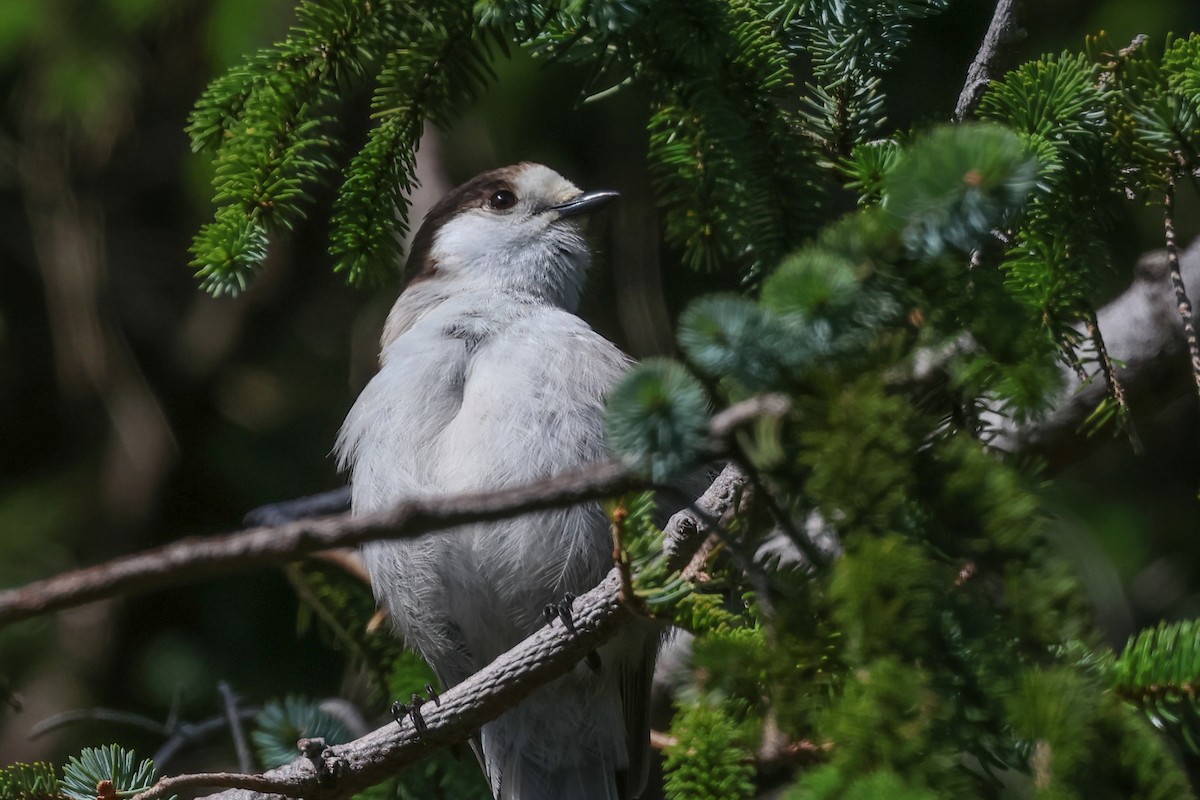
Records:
x=233, y=717
x=1181, y=295
x=1109, y=372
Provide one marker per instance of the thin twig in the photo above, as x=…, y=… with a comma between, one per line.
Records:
x=232, y=716
x=1115, y=387
x=1181, y=295
x=316, y=505
x=1003, y=31
x=99, y=715
x=347, y=560
x=198, y=558
x=178, y=733
x=185, y=733
x=233, y=780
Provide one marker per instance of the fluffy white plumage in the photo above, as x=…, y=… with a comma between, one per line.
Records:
x=488, y=379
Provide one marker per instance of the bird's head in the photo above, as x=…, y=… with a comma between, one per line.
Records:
x=516, y=228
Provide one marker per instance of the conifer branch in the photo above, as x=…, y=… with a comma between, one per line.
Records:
x=1003, y=31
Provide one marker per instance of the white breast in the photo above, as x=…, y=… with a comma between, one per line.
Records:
x=471, y=399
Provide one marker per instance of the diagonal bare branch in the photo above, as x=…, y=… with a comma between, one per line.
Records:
x=340, y=771
x=1003, y=31
x=198, y=558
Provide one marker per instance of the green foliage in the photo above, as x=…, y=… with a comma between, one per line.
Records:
x=851, y=44
x=271, y=124
x=658, y=419
x=827, y=782
x=444, y=775
x=1057, y=106
x=1055, y=711
x=342, y=608
x=954, y=185
x=727, y=151
x=886, y=718
x=37, y=781
x=708, y=759
x=82, y=774
x=727, y=154
x=883, y=594
x=948, y=601
x=856, y=459
x=866, y=165
x=736, y=339
x=1158, y=672
x=438, y=66
x=282, y=723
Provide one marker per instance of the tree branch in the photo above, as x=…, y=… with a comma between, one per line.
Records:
x=1145, y=339
x=343, y=770
x=1004, y=30
x=197, y=558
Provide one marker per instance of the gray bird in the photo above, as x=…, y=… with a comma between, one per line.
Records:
x=488, y=379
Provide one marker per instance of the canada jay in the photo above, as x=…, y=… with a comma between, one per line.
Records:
x=487, y=379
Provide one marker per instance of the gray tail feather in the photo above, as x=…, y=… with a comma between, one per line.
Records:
x=527, y=781
x=516, y=771
x=571, y=739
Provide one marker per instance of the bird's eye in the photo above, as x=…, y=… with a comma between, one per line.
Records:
x=502, y=199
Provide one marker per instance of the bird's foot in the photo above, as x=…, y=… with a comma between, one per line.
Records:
x=562, y=610
x=565, y=611
x=412, y=709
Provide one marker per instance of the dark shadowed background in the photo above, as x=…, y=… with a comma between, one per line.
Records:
x=135, y=410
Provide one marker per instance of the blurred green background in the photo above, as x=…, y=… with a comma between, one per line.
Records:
x=135, y=410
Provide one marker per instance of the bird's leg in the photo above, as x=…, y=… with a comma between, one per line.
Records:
x=564, y=611
x=414, y=713
x=561, y=610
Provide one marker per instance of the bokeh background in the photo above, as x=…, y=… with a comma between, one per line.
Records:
x=135, y=410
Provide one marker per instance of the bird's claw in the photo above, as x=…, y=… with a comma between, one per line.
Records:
x=563, y=610
x=414, y=713
x=401, y=710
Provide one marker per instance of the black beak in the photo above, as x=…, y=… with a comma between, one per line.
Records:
x=584, y=203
